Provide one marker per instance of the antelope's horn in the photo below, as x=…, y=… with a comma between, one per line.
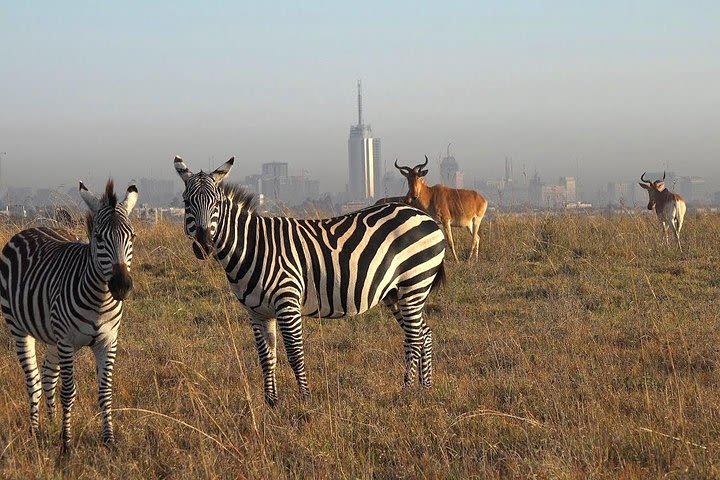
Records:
x=422, y=165
x=663, y=174
x=642, y=178
x=402, y=169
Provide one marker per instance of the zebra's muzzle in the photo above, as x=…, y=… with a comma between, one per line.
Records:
x=120, y=282
x=201, y=244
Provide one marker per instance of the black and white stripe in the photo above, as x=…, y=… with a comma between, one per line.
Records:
x=281, y=269
x=69, y=294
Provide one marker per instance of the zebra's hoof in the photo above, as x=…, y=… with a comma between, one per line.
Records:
x=109, y=443
x=64, y=449
x=271, y=401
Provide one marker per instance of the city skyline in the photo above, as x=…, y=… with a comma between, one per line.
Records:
x=616, y=89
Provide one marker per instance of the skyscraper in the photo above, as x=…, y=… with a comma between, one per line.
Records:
x=365, y=171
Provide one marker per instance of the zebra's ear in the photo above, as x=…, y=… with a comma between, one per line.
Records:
x=92, y=201
x=222, y=171
x=130, y=198
x=182, y=169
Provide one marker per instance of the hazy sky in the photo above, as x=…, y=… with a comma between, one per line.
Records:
x=92, y=88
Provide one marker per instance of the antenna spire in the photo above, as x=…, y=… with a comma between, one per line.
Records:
x=359, y=85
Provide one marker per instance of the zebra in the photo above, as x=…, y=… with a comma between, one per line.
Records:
x=282, y=269
x=69, y=294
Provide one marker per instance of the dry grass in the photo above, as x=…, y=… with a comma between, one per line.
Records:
x=578, y=347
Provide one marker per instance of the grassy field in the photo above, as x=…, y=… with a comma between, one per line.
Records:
x=577, y=347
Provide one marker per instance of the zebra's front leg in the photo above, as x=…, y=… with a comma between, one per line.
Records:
x=104, y=364
x=66, y=357
x=265, y=332
x=50, y=375
x=25, y=349
x=291, y=329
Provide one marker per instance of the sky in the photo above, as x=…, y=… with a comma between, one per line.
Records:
x=91, y=89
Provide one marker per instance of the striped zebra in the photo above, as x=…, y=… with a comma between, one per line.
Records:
x=282, y=269
x=69, y=294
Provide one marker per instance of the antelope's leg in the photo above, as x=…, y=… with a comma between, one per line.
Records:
x=448, y=235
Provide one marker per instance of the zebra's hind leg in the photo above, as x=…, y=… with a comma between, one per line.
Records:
x=291, y=329
x=415, y=330
x=50, y=375
x=66, y=354
x=25, y=349
x=425, y=369
x=265, y=332
x=425, y=358
x=104, y=364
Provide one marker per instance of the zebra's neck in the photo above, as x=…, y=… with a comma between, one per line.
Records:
x=232, y=223
x=91, y=278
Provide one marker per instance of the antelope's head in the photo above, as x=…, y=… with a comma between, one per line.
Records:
x=653, y=188
x=415, y=179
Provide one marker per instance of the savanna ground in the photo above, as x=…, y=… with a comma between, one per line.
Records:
x=577, y=347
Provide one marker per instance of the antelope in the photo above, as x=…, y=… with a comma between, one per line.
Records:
x=451, y=207
x=669, y=207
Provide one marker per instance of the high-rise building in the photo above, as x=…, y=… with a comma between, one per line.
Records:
x=450, y=173
x=570, y=189
x=365, y=171
x=274, y=179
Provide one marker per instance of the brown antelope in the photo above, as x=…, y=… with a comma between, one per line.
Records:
x=669, y=207
x=452, y=207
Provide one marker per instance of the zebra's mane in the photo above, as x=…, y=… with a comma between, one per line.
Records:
x=238, y=196
x=108, y=198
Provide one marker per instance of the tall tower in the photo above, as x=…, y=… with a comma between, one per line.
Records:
x=364, y=159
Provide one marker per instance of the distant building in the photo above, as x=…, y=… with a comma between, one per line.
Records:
x=274, y=179
x=156, y=192
x=570, y=190
x=553, y=196
x=620, y=193
x=450, y=173
x=365, y=170
x=691, y=188
x=253, y=184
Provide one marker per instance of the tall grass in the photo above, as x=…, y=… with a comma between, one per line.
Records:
x=577, y=347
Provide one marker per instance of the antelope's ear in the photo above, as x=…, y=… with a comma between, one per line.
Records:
x=422, y=173
x=182, y=169
x=131, y=197
x=91, y=200
x=644, y=186
x=222, y=171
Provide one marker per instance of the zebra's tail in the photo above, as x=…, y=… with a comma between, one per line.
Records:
x=440, y=277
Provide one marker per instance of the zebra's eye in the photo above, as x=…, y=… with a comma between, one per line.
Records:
x=98, y=237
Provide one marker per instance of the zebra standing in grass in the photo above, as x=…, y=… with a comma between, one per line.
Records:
x=281, y=269
x=69, y=294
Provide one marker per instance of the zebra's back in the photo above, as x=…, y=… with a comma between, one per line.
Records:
x=343, y=265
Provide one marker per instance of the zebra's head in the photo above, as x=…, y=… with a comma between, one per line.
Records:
x=202, y=198
x=111, y=236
